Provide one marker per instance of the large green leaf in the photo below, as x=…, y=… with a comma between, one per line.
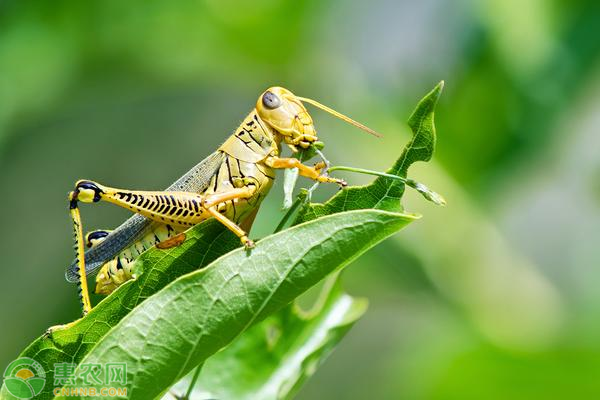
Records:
x=198, y=314
x=272, y=359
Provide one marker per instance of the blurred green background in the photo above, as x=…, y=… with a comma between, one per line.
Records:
x=494, y=296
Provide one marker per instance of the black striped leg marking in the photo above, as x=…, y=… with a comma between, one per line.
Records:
x=182, y=208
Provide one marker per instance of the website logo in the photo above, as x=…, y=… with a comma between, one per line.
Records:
x=24, y=378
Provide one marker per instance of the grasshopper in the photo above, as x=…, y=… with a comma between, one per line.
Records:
x=228, y=185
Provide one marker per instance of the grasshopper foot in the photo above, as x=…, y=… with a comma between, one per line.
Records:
x=328, y=179
x=248, y=243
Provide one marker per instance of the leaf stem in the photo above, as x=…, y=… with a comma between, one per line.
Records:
x=290, y=212
x=419, y=187
x=187, y=394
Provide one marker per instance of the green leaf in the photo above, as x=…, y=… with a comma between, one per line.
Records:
x=385, y=193
x=272, y=359
x=204, y=243
x=200, y=313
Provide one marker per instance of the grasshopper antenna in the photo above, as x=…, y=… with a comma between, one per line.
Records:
x=340, y=116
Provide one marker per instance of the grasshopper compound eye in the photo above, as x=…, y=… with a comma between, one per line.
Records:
x=270, y=100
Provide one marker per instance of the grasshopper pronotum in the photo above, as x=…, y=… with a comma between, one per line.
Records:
x=228, y=185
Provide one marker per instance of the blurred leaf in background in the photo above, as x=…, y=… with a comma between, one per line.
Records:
x=295, y=343
x=495, y=296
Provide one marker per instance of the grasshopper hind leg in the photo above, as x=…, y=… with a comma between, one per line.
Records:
x=84, y=296
x=184, y=209
x=87, y=192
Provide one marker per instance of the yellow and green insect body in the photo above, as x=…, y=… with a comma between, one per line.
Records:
x=119, y=270
x=228, y=185
x=233, y=173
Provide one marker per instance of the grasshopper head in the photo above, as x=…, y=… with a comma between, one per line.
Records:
x=285, y=113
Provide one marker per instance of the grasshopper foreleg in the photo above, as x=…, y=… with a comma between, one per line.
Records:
x=304, y=170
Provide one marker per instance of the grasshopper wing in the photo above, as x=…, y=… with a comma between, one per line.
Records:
x=195, y=180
